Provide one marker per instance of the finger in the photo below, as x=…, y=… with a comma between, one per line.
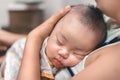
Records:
x=3, y=48
x=48, y=25
x=53, y=19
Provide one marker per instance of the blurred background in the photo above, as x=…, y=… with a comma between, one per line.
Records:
x=21, y=16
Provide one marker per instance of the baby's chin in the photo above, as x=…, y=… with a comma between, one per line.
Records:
x=59, y=66
x=63, y=66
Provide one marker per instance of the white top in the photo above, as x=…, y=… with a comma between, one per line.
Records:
x=12, y=62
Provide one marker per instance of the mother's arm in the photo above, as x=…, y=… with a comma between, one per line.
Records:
x=30, y=68
x=8, y=38
x=105, y=66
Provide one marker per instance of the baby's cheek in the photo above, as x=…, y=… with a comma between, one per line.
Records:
x=72, y=61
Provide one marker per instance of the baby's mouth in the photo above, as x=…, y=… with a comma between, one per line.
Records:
x=57, y=62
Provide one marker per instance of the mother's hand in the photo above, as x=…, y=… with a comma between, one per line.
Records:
x=30, y=69
x=46, y=27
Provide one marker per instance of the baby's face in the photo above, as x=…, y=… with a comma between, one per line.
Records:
x=70, y=42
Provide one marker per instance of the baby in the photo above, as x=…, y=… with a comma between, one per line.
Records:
x=65, y=47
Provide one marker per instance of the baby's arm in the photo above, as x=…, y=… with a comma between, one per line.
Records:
x=30, y=68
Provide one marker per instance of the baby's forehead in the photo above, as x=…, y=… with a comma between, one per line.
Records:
x=76, y=15
x=72, y=15
x=69, y=21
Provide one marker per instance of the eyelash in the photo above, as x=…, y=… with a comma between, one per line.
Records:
x=75, y=53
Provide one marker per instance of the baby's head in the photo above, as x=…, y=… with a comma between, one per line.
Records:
x=75, y=35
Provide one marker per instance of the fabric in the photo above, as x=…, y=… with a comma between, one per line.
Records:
x=112, y=34
x=46, y=69
x=12, y=62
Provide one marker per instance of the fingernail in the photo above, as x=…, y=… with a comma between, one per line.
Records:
x=68, y=7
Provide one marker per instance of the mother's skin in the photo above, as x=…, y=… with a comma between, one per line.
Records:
x=104, y=63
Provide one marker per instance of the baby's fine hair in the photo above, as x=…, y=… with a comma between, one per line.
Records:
x=93, y=18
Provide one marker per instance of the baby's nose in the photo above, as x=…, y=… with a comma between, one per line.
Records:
x=63, y=53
